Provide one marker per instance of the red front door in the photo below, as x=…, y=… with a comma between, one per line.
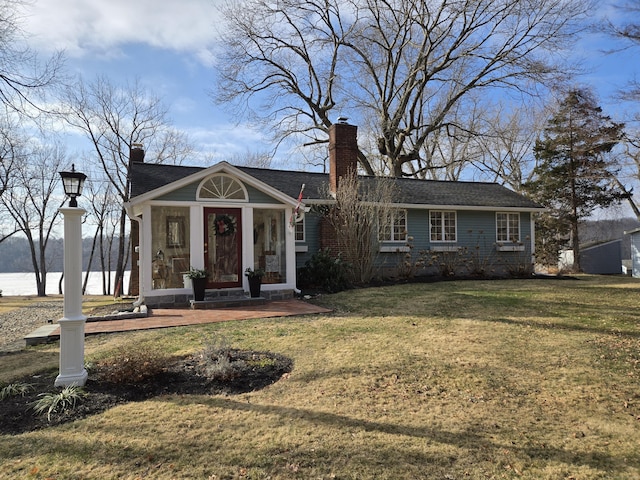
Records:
x=223, y=247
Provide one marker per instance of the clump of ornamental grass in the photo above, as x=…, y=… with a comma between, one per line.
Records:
x=220, y=361
x=15, y=390
x=59, y=402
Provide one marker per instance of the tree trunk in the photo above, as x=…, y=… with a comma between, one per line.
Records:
x=121, y=248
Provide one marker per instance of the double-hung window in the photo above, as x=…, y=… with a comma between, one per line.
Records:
x=508, y=227
x=394, y=228
x=299, y=230
x=442, y=226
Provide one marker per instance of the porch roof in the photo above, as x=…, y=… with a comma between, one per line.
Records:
x=146, y=177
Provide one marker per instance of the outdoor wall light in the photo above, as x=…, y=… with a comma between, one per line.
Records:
x=73, y=182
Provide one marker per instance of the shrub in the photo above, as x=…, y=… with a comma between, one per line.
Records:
x=218, y=360
x=447, y=263
x=58, y=402
x=132, y=364
x=325, y=272
x=15, y=389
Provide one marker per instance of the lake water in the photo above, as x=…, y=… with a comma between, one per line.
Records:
x=25, y=283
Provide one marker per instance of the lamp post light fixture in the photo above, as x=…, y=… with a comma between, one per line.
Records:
x=73, y=182
x=72, y=371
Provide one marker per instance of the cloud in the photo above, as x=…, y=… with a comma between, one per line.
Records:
x=99, y=27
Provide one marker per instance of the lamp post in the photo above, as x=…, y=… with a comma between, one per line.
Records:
x=72, y=371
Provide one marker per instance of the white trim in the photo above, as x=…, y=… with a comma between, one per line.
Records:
x=219, y=200
x=509, y=248
x=443, y=241
x=392, y=223
x=302, y=221
x=302, y=248
x=500, y=212
x=532, y=229
x=401, y=248
x=445, y=248
x=425, y=206
x=248, y=258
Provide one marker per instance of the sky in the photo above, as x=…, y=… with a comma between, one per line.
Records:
x=164, y=44
x=167, y=44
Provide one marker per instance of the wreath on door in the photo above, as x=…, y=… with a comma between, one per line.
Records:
x=225, y=225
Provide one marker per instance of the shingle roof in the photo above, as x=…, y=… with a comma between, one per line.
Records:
x=146, y=177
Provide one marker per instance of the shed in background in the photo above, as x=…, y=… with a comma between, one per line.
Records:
x=635, y=251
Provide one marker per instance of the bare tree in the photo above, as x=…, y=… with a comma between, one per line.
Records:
x=629, y=28
x=33, y=205
x=11, y=154
x=105, y=211
x=360, y=209
x=628, y=32
x=406, y=64
x=113, y=119
x=22, y=75
x=507, y=143
x=252, y=159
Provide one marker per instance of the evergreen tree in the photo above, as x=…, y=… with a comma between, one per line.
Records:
x=574, y=172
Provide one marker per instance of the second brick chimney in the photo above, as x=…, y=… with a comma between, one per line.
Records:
x=343, y=152
x=136, y=153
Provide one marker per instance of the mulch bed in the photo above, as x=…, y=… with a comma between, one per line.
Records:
x=185, y=375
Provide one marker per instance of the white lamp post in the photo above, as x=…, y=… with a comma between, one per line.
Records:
x=72, y=371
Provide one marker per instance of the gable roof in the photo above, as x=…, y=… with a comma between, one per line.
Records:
x=146, y=177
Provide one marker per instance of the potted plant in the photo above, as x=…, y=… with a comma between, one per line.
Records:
x=255, y=281
x=198, y=282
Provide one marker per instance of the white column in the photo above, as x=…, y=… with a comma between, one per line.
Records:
x=72, y=371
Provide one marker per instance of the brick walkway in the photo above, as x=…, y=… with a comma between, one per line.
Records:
x=165, y=317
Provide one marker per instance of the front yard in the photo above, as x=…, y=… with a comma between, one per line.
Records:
x=526, y=379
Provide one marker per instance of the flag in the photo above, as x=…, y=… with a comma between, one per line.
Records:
x=296, y=211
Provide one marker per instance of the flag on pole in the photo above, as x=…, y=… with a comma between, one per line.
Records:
x=296, y=211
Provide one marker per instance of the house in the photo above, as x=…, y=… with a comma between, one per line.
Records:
x=635, y=251
x=603, y=258
x=228, y=218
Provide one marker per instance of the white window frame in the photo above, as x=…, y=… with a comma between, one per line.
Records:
x=442, y=226
x=231, y=186
x=394, y=237
x=304, y=231
x=510, y=238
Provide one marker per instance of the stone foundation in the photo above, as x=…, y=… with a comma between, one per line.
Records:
x=184, y=300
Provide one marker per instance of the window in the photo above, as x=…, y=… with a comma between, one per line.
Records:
x=299, y=230
x=442, y=226
x=508, y=227
x=395, y=228
x=170, y=248
x=269, y=245
x=222, y=187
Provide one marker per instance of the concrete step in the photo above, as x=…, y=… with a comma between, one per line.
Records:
x=42, y=335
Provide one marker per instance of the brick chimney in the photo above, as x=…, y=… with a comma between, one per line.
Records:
x=136, y=153
x=343, y=152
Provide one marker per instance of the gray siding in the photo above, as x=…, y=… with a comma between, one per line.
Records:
x=475, y=246
x=605, y=259
x=312, y=238
x=635, y=254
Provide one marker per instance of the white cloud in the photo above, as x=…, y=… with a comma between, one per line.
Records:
x=99, y=27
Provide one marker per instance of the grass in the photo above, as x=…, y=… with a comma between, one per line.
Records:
x=534, y=379
x=89, y=302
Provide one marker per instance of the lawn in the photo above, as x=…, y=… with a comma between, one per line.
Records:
x=527, y=379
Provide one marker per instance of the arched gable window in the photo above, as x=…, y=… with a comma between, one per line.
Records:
x=222, y=187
